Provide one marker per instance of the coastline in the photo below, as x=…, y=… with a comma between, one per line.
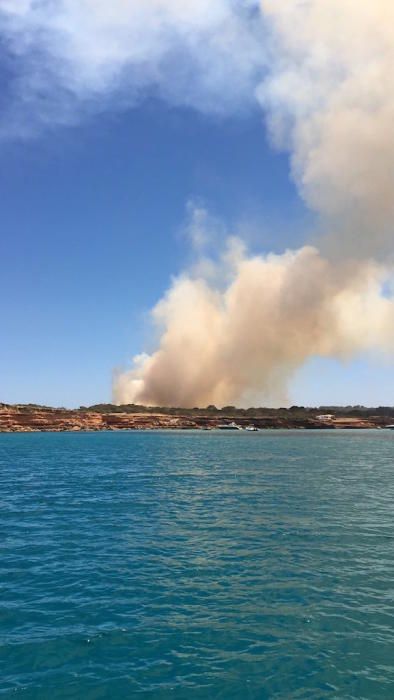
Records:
x=27, y=419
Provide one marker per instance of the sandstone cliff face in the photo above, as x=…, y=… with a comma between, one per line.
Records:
x=18, y=419
x=27, y=419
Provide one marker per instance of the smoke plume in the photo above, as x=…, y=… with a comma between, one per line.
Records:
x=235, y=330
x=327, y=99
x=241, y=343
x=330, y=102
x=71, y=58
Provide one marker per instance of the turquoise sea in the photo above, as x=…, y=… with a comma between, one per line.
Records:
x=197, y=565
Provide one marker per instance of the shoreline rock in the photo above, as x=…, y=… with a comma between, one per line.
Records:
x=42, y=419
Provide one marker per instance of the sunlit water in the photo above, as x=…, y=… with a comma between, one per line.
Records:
x=196, y=565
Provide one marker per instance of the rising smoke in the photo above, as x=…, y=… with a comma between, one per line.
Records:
x=242, y=343
x=236, y=330
x=327, y=99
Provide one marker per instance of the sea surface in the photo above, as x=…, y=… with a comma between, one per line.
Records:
x=197, y=565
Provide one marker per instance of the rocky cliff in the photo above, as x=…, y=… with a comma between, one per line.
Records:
x=22, y=418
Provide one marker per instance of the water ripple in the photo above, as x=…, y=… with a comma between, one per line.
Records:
x=188, y=566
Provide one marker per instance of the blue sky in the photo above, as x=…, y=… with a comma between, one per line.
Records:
x=92, y=221
x=115, y=118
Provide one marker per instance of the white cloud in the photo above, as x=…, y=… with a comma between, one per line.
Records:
x=74, y=55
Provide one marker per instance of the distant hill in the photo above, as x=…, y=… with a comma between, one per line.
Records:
x=302, y=411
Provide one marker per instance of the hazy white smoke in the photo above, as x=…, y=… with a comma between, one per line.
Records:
x=322, y=71
x=329, y=99
x=242, y=342
x=70, y=57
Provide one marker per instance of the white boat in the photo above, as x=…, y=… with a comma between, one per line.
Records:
x=390, y=427
x=252, y=429
x=229, y=426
